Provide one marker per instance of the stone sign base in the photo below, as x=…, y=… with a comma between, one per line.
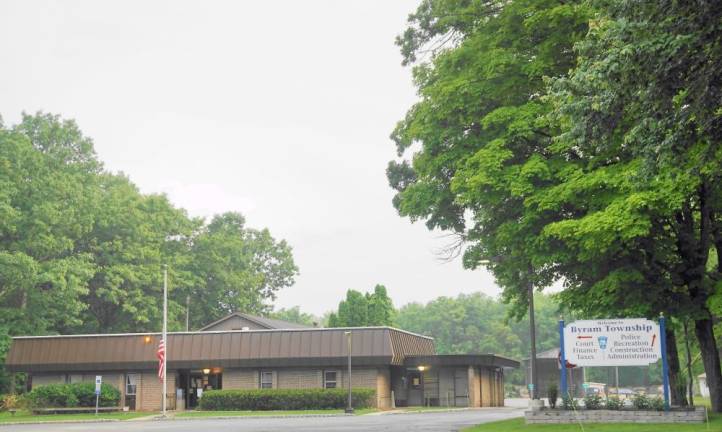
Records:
x=552, y=416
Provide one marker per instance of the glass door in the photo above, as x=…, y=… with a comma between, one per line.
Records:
x=131, y=387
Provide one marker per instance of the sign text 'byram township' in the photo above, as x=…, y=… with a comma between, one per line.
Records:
x=615, y=342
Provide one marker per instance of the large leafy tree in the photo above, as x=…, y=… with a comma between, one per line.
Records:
x=132, y=237
x=240, y=269
x=480, y=128
x=645, y=101
x=485, y=164
x=44, y=208
x=82, y=250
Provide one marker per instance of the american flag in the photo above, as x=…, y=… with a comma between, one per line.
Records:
x=161, y=355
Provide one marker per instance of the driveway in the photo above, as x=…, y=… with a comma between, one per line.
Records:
x=418, y=422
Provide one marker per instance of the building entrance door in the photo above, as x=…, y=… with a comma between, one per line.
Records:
x=461, y=388
x=415, y=395
x=195, y=382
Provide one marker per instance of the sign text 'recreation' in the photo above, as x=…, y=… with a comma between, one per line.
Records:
x=619, y=342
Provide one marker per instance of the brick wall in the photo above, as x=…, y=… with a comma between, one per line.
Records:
x=148, y=396
x=304, y=378
x=486, y=387
x=41, y=380
x=474, y=387
x=299, y=378
x=545, y=416
x=240, y=379
x=383, y=388
x=365, y=378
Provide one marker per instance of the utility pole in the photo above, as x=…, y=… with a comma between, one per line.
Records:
x=165, y=335
x=188, y=312
x=532, y=333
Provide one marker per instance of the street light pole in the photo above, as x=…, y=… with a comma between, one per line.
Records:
x=532, y=335
x=349, y=407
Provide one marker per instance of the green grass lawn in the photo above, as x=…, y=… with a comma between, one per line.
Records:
x=518, y=425
x=24, y=416
x=187, y=414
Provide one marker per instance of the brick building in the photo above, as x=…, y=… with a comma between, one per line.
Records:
x=242, y=351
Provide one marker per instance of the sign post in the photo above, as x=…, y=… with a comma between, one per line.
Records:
x=563, y=359
x=665, y=366
x=98, y=383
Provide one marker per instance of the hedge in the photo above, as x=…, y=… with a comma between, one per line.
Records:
x=284, y=399
x=72, y=395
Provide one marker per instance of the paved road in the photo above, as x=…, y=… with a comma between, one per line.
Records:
x=420, y=422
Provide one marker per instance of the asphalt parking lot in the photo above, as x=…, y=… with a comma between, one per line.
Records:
x=416, y=422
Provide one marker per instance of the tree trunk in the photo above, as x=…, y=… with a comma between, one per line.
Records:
x=690, y=376
x=676, y=382
x=710, y=357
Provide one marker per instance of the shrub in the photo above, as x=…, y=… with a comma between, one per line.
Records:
x=72, y=395
x=642, y=402
x=569, y=403
x=657, y=403
x=283, y=399
x=614, y=403
x=12, y=401
x=593, y=402
x=552, y=395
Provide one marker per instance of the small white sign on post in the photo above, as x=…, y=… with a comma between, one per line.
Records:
x=98, y=383
x=617, y=342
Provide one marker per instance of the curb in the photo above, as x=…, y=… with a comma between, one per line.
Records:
x=59, y=422
x=435, y=411
x=280, y=416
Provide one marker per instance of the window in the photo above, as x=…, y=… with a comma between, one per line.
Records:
x=131, y=387
x=266, y=381
x=73, y=378
x=330, y=379
x=131, y=384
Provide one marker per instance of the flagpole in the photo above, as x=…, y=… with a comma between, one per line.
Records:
x=165, y=334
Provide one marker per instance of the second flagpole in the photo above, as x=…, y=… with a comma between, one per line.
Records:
x=165, y=334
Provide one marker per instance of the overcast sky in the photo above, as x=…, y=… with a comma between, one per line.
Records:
x=280, y=110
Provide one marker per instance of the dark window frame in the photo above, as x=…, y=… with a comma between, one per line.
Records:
x=262, y=384
x=335, y=381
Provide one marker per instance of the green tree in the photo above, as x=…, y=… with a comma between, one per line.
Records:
x=476, y=323
x=82, y=250
x=380, y=307
x=240, y=269
x=481, y=128
x=353, y=312
x=359, y=310
x=644, y=102
x=485, y=158
x=295, y=315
